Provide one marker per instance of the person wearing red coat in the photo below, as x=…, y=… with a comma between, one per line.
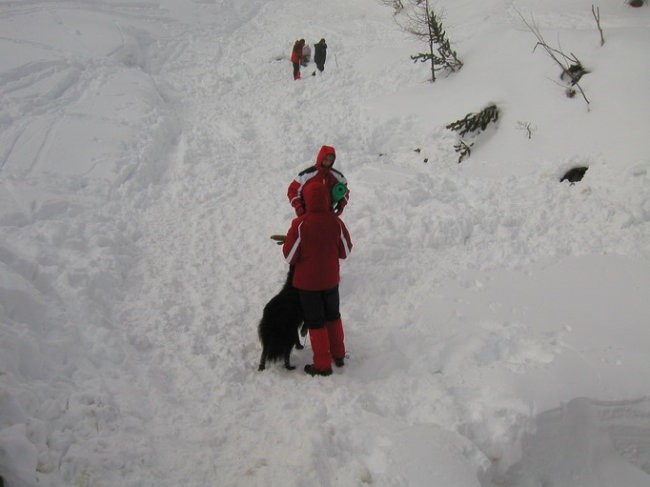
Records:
x=314, y=244
x=322, y=172
x=296, y=57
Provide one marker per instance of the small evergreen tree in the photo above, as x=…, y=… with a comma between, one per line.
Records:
x=472, y=125
x=476, y=122
x=425, y=23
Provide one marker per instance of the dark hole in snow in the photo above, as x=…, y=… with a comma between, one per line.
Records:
x=575, y=174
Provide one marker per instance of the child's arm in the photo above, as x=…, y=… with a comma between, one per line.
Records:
x=345, y=243
x=291, y=246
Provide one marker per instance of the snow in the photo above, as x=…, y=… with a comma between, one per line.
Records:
x=496, y=319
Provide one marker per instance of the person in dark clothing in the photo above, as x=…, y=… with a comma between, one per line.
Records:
x=320, y=54
x=314, y=244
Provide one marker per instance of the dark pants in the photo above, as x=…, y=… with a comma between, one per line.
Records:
x=296, y=71
x=319, y=306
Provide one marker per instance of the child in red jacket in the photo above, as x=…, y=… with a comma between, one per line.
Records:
x=296, y=57
x=314, y=244
x=322, y=172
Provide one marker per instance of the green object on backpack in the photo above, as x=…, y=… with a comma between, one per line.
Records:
x=338, y=192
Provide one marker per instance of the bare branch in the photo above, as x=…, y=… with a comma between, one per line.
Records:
x=396, y=4
x=596, y=12
x=573, y=71
x=582, y=93
x=528, y=127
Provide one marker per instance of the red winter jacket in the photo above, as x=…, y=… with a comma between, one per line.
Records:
x=328, y=176
x=296, y=52
x=315, y=243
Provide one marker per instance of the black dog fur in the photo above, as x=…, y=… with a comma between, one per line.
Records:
x=278, y=328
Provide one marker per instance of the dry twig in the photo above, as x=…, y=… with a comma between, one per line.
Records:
x=571, y=61
x=596, y=12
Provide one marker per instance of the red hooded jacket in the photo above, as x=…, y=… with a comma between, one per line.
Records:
x=328, y=176
x=296, y=51
x=315, y=243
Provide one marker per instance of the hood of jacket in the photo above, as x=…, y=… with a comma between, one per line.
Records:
x=317, y=198
x=324, y=150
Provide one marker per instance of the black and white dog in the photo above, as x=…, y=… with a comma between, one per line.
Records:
x=278, y=328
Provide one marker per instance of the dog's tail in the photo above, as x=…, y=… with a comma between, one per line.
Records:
x=289, y=282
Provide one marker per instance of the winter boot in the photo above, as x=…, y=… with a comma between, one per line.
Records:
x=335, y=334
x=311, y=370
x=320, y=346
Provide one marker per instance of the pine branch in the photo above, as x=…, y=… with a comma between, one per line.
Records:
x=475, y=122
x=464, y=149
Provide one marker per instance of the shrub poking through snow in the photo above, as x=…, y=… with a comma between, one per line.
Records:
x=574, y=174
x=572, y=69
x=473, y=124
x=426, y=24
x=476, y=122
x=573, y=73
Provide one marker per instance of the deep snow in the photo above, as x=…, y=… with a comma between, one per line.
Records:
x=496, y=319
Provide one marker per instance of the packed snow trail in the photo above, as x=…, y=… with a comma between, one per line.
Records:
x=197, y=338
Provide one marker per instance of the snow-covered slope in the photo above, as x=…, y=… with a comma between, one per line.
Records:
x=496, y=319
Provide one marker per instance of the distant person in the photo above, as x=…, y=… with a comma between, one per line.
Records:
x=306, y=55
x=296, y=56
x=315, y=242
x=320, y=55
x=321, y=172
